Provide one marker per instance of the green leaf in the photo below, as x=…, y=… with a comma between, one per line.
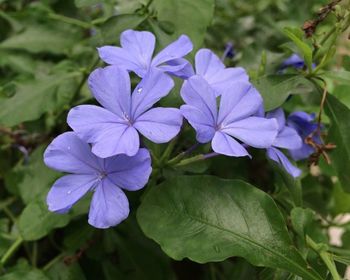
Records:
x=84, y=3
x=43, y=95
x=275, y=89
x=301, y=219
x=339, y=76
x=40, y=38
x=188, y=17
x=61, y=271
x=5, y=242
x=115, y=25
x=36, y=221
x=205, y=219
x=339, y=134
x=33, y=179
x=34, y=274
x=304, y=49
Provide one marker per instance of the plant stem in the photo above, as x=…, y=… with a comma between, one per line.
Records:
x=52, y=262
x=71, y=21
x=7, y=202
x=11, y=251
x=325, y=256
x=195, y=159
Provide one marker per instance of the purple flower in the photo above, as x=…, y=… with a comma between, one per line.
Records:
x=294, y=61
x=233, y=120
x=136, y=51
x=114, y=129
x=105, y=177
x=287, y=138
x=211, y=68
x=304, y=124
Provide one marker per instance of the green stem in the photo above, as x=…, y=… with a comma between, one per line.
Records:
x=52, y=262
x=11, y=251
x=9, y=213
x=190, y=160
x=168, y=151
x=325, y=256
x=71, y=21
x=35, y=254
x=7, y=202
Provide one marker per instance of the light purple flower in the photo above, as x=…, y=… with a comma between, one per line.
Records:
x=233, y=120
x=210, y=67
x=136, y=52
x=105, y=177
x=287, y=138
x=294, y=61
x=304, y=124
x=114, y=129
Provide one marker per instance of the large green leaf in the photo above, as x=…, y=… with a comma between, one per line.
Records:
x=40, y=38
x=188, y=17
x=205, y=219
x=42, y=95
x=36, y=221
x=275, y=89
x=339, y=134
x=34, y=274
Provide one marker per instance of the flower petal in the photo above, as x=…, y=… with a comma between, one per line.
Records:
x=200, y=122
x=130, y=173
x=111, y=88
x=277, y=156
x=207, y=63
x=222, y=78
x=277, y=114
x=238, y=102
x=179, y=67
x=304, y=152
x=196, y=92
x=108, y=134
x=226, y=145
x=121, y=58
x=109, y=205
x=288, y=138
x=67, y=190
x=159, y=125
x=177, y=49
x=254, y=131
x=150, y=90
x=68, y=148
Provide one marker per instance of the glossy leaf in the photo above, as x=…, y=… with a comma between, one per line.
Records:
x=339, y=134
x=205, y=219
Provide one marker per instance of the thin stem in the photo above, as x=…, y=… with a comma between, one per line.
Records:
x=7, y=202
x=180, y=156
x=52, y=262
x=11, y=251
x=195, y=159
x=9, y=213
x=35, y=254
x=168, y=151
x=325, y=256
x=71, y=21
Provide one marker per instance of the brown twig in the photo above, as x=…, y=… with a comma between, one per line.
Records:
x=310, y=26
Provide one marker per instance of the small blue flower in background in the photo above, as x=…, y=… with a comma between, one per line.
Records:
x=114, y=129
x=287, y=138
x=210, y=67
x=105, y=177
x=294, y=61
x=229, y=51
x=233, y=120
x=137, y=50
x=304, y=124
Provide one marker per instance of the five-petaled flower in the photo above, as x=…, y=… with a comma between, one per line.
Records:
x=210, y=67
x=105, y=177
x=287, y=138
x=137, y=50
x=234, y=120
x=113, y=129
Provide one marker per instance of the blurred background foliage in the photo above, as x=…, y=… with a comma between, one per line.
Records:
x=48, y=49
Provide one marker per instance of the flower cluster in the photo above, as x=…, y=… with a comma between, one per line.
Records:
x=103, y=154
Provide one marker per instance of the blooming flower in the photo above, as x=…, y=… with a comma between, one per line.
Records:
x=233, y=120
x=210, y=67
x=287, y=138
x=136, y=51
x=105, y=177
x=304, y=124
x=113, y=129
